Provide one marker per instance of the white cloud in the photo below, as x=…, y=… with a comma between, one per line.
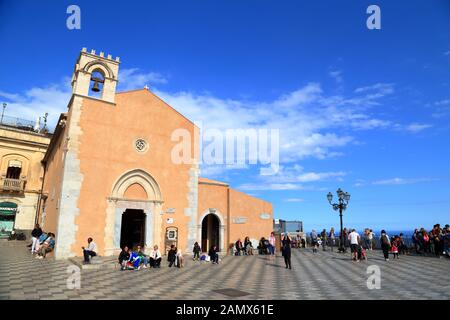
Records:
x=417, y=127
x=133, y=78
x=336, y=75
x=308, y=119
x=442, y=108
x=444, y=102
x=378, y=88
x=318, y=176
x=401, y=181
x=270, y=186
x=294, y=200
x=35, y=102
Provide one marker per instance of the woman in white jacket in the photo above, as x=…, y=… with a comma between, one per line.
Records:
x=155, y=258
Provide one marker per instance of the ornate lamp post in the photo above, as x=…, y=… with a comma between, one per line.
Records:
x=344, y=198
x=3, y=111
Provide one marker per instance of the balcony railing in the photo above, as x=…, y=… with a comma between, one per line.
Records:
x=15, y=185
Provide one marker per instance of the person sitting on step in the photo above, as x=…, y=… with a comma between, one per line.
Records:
x=155, y=258
x=172, y=256
x=90, y=251
x=124, y=256
x=135, y=260
x=47, y=246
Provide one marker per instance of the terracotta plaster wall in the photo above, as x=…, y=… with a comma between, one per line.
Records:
x=52, y=184
x=244, y=205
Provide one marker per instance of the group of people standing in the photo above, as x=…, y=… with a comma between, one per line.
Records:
x=436, y=241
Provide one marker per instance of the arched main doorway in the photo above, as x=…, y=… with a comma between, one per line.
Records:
x=133, y=216
x=210, y=232
x=132, y=232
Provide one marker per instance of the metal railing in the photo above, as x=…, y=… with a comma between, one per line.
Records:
x=19, y=123
x=8, y=184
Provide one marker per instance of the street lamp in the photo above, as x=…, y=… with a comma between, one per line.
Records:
x=4, y=107
x=343, y=198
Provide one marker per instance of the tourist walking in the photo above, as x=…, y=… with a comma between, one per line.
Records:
x=272, y=243
x=35, y=234
x=367, y=240
x=385, y=244
x=286, y=250
x=214, y=255
x=372, y=239
x=90, y=251
x=314, y=240
x=332, y=239
x=354, y=240
x=394, y=247
x=324, y=237
x=196, y=250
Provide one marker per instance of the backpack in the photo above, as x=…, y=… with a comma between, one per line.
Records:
x=384, y=240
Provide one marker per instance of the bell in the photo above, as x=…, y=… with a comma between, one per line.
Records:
x=95, y=87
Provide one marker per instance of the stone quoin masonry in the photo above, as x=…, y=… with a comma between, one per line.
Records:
x=109, y=175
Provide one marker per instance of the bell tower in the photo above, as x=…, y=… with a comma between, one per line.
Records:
x=95, y=76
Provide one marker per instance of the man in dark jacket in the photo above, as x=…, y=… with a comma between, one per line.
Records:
x=286, y=250
x=172, y=256
x=124, y=256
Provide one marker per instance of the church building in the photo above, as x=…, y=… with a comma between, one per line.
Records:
x=110, y=174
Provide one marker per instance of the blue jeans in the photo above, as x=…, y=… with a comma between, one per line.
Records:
x=271, y=249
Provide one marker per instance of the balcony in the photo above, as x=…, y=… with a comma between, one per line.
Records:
x=12, y=185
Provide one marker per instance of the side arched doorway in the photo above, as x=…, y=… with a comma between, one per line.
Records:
x=210, y=232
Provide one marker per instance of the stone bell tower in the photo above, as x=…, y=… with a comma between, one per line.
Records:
x=94, y=77
x=95, y=74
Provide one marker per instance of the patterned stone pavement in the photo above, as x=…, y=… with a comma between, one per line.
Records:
x=324, y=275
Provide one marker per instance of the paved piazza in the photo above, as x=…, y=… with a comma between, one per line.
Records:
x=325, y=275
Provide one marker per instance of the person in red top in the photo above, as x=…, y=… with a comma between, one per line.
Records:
x=394, y=247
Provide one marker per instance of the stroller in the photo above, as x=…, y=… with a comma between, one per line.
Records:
x=361, y=253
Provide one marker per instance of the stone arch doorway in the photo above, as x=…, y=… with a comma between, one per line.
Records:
x=210, y=232
x=134, y=212
x=211, y=229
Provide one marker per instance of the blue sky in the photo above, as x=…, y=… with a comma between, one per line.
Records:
x=364, y=110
